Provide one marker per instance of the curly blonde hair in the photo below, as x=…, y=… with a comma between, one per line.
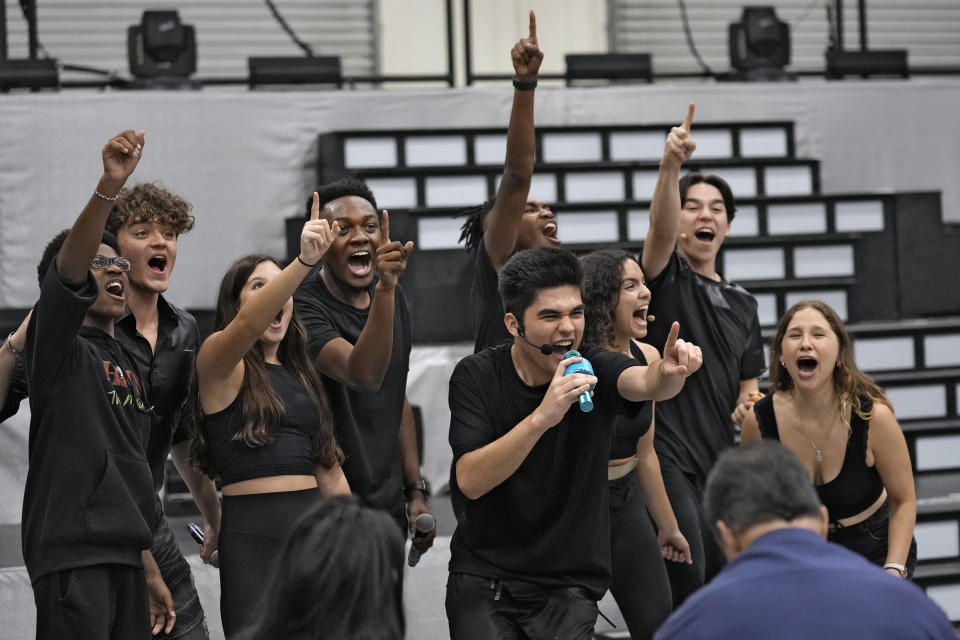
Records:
x=150, y=202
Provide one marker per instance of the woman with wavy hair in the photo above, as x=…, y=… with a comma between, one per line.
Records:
x=841, y=425
x=266, y=429
x=616, y=300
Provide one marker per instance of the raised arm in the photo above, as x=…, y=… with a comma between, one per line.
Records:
x=665, y=378
x=486, y=467
x=665, y=205
x=221, y=354
x=503, y=221
x=120, y=157
x=363, y=365
x=889, y=449
x=11, y=351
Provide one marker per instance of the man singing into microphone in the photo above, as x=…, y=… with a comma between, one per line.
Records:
x=531, y=556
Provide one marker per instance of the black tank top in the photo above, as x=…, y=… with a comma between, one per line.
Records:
x=290, y=452
x=626, y=431
x=857, y=486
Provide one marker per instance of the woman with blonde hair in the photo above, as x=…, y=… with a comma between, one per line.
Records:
x=841, y=425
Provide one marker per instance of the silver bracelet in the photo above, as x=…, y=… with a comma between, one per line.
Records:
x=899, y=568
x=8, y=343
x=103, y=197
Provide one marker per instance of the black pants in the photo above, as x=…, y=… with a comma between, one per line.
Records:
x=190, y=624
x=869, y=539
x=103, y=601
x=484, y=609
x=640, y=584
x=687, y=502
x=252, y=531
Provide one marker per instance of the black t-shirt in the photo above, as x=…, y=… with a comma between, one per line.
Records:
x=486, y=306
x=548, y=523
x=720, y=318
x=89, y=495
x=366, y=424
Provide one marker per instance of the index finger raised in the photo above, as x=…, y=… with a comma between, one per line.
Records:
x=688, y=121
x=315, y=207
x=533, y=26
x=672, y=337
x=385, y=227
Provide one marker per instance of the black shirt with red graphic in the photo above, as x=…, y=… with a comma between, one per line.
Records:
x=89, y=495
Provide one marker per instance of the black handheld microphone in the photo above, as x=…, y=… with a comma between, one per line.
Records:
x=545, y=349
x=425, y=523
x=197, y=534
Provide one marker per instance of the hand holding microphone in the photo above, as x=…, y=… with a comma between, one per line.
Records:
x=424, y=525
x=197, y=534
x=584, y=366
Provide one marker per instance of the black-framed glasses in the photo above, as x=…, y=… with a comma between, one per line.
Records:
x=102, y=262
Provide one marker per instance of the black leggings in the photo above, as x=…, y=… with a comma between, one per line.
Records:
x=252, y=530
x=869, y=539
x=640, y=584
x=687, y=502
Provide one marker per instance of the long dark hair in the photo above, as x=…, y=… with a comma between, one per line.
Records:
x=602, y=274
x=336, y=576
x=260, y=406
x=855, y=389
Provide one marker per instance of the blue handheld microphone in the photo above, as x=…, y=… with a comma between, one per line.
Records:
x=584, y=366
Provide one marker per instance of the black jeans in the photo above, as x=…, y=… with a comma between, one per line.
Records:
x=640, y=584
x=687, y=502
x=484, y=609
x=190, y=624
x=869, y=539
x=103, y=601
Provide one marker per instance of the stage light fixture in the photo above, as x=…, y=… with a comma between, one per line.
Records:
x=759, y=45
x=608, y=66
x=28, y=74
x=162, y=51
x=310, y=70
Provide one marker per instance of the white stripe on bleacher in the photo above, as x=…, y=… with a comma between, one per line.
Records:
x=644, y=183
x=788, y=181
x=714, y=143
x=746, y=221
x=947, y=596
x=438, y=233
x=742, y=180
x=937, y=452
x=637, y=145
x=884, y=354
x=937, y=539
x=594, y=186
x=767, y=308
x=805, y=217
x=455, y=191
x=490, y=148
x=753, y=264
x=543, y=187
x=572, y=147
x=812, y=262
x=919, y=401
x=366, y=153
x=394, y=193
x=763, y=143
x=836, y=298
x=436, y=151
x=638, y=223
x=587, y=226
x=859, y=215
x=942, y=350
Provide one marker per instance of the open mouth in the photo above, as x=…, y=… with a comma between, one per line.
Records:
x=806, y=364
x=705, y=235
x=114, y=288
x=277, y=321
x=640, y=314
x=560, y=349
x=549, y=229
x=158, y=263
x=359, y=263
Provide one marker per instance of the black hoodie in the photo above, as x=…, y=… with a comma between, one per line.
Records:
x=89, y=492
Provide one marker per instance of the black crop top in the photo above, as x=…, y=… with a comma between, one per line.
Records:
x=627, y=431
x=290, y=452
x=857, y=486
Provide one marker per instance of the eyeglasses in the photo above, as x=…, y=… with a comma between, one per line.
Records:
x=102, y=262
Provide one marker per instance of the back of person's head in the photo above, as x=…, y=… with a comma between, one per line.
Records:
x=602, y=276
x=721, y=185
x=348, y=186
x=336, y=576
x=148, y=202
x=529, y=271
x=56, y=243
x=756, y=484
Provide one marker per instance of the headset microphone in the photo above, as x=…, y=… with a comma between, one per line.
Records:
x=545, y=349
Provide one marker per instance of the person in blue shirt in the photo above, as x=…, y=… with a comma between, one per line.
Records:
x=783, y=579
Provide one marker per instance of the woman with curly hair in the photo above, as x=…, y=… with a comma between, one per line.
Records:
x=266, y=426
x=841, y=425
x=616, y=300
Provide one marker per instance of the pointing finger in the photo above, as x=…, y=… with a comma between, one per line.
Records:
x=688, y=121
x=385, y=228
x=533, y=26
x=671, y=344
x=315, y=207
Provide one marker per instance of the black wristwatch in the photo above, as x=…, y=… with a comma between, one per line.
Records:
x=420, y=485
